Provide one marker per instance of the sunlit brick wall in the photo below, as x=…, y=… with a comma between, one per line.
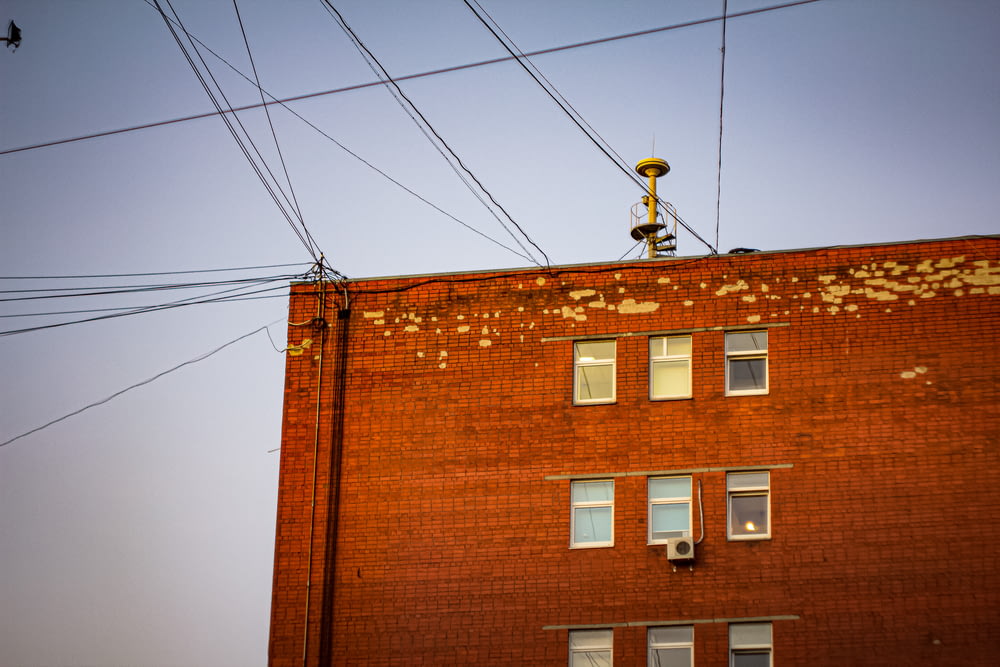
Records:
x=447, y=416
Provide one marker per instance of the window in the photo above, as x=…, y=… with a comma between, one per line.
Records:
x=670, y=367
x=671, y=646
x=594, y=372
x=592, y=514
x=590, y=648
x=746, y=363
x=749, y=505
x=669, y=508
x=750, y=645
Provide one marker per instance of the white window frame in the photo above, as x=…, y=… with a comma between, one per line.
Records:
x=742, y=646
x=662, y=356
x=652, y=645
x=589, y=504
x=597, y=634
x=665, y=500
x=747, y=355
x=578, y=364
x=736, y=489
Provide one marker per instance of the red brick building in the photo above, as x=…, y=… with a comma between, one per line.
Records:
x=507, y=467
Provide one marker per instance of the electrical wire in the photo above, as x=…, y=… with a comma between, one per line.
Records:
x=154, y=273
x=195, y=360
x=133, y=289
x=267, y=113
x=229, y=119
x=557, y=97
x=425, y=124
x=341, y=146
x=217, y=297
x=407, y=77
x=722, y=98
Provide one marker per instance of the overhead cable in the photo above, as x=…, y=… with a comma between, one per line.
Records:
x=153, y=273
x=231, y=117
x=347, y=150
x=374, y=62
x=722, y=98
x=195, y=360
x=407, y=77
x=522, y=59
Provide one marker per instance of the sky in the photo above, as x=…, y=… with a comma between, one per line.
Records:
x=141, y=531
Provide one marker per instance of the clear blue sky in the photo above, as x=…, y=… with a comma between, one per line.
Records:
x=141, y=532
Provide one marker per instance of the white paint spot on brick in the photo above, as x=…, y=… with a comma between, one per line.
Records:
x=629, y=307
x=827, y=279
x=520, y=309
x=794, y=279
x=597, y=304
x=702, y=285
x=463, y=328
x=485, y=331
x=379, y=322
x=753, y=319
x=540, y=281
x=411, y=328
x=907, y=375
x=618, y=276
x=485, y=342
x=460, y=317
x=420, y=355
x=749, y=298
x=850, y=308
x=833, y=310
x=663, y=281
x=735, y=287
x=437, y=331
x=689, y=302
x=920, y=369
x=373, y=313
x=576, y=295
x=443, y=365
x=387, y=333
x=442, y=354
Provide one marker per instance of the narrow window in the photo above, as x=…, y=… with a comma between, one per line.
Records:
x=750, y=645
x=594, y=372
x=746, y=363
x=670, y=367
x=671, y=646
x=749, y=505
x=590, y=648
x=592, y=515
x=669, y=508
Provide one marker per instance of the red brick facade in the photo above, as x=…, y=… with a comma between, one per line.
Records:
x=430, y=479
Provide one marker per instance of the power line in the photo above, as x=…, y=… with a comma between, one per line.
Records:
x=228, y=120
x=407, y=77
x=347, y=150
x=131, y=289
x=217, y=297
x=153, y=273
x=574, y=116
x=370, y=58
x=195, y=360
x=722, y=98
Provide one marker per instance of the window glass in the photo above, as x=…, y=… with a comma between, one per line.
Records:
x=670, y=367
x=584, y=491
x=595, y=350
x=670, y=646
x=592, y=511
x=669, y=508
x=747, y=374
x=752, y=658
x=594, y=371
x=593, y=524
x=749, y=341
x=595, y=382
x=590, y=648
x=746, y=362
x=748, y=505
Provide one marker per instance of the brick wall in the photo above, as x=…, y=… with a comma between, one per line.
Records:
x=446, y=437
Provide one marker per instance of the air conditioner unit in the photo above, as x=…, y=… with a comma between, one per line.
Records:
x=680, y=548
